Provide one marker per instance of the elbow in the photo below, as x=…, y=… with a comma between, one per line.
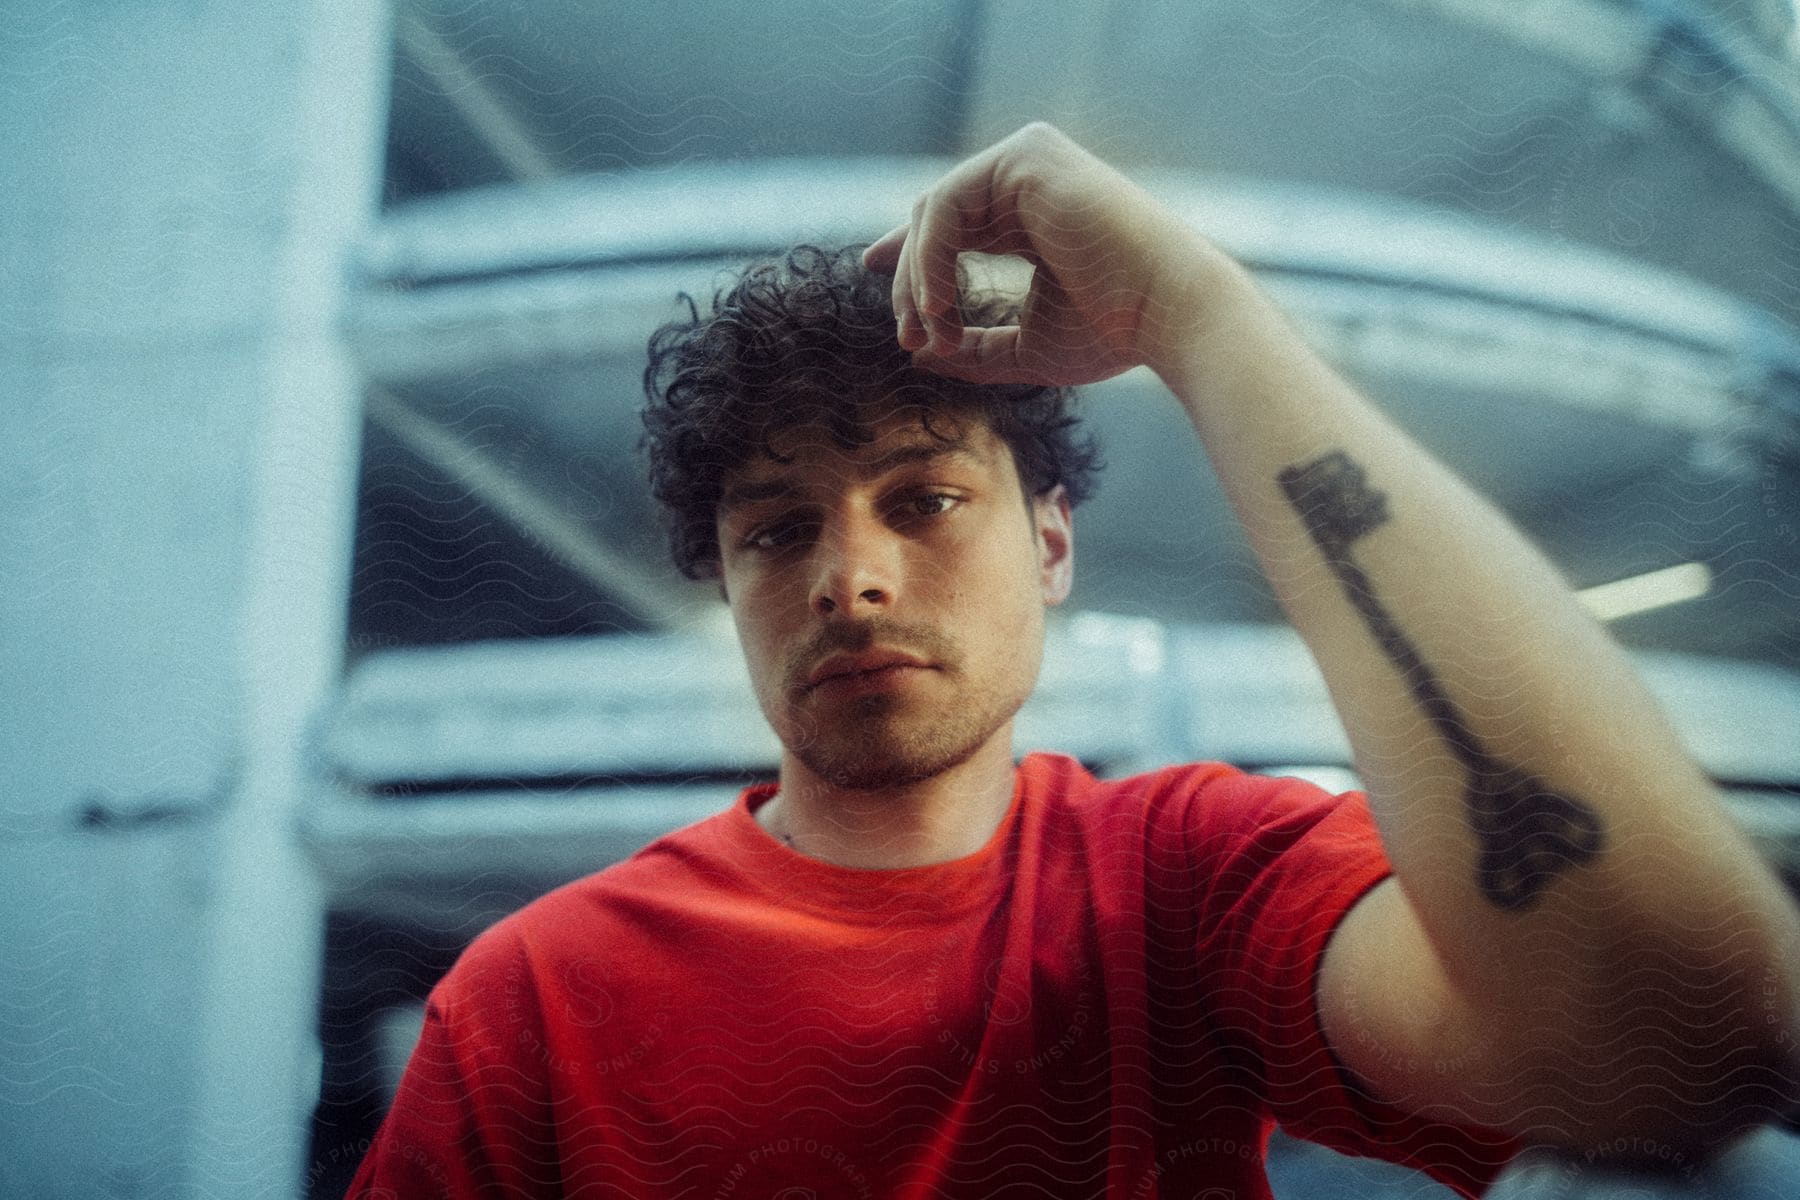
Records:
x=1706, y=1048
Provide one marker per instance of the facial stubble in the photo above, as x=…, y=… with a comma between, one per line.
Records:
x=893, y=739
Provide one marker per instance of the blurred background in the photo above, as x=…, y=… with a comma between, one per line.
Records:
x=335, y=621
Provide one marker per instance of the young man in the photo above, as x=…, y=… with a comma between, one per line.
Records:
x=910, y=968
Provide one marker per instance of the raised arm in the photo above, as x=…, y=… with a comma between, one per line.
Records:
x=1578, y=945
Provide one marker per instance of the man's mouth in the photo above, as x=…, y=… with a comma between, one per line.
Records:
x=872, y=680
x=863, y=664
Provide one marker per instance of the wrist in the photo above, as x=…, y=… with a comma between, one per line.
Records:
x=1197, y=290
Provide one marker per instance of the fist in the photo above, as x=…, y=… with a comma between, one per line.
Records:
x=1114, y=274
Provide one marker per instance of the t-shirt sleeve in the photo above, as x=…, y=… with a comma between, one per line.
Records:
x=1278, y=863
x=468, y=1118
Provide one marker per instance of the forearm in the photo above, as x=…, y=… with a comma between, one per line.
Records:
x=1561, y=850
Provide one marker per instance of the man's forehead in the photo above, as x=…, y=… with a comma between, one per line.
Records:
x=811, y=450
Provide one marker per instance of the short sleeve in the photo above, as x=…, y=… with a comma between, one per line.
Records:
x=1279, y=862
x=468, y=1119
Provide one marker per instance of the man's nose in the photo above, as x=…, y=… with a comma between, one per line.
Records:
x=857, y=567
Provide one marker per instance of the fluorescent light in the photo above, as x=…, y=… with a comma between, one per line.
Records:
x=1640, y=593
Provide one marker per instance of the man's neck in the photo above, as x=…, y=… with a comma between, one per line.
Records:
x=949, y=816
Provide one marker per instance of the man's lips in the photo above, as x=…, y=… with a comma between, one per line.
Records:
x=840, y=666
x=861, y=683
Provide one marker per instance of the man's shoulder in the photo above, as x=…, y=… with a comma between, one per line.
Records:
x=1063, y=779
x=1192, y=804
x=614, y=903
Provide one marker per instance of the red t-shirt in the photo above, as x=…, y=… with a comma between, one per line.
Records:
x=1113, y=997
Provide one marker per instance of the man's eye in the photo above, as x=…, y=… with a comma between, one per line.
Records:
x=931, y=504
x=780, y=535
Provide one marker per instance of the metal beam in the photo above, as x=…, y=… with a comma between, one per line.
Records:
x=585, y=269
x=546, y=526
x=486, y=115
x=579, y=710
x=1752, y=114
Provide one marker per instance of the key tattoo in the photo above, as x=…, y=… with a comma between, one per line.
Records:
x=1529, y=833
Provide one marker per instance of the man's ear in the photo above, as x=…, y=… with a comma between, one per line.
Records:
x=1053, y=523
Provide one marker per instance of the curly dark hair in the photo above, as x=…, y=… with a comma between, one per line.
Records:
x=807, y=339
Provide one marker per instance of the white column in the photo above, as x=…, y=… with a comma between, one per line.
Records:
x=179, y=187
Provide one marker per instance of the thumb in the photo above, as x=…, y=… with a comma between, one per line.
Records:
x=883, y=255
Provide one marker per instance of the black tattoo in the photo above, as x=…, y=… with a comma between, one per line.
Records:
x=1528, y=832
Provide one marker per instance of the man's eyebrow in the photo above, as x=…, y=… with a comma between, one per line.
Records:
x=783, y=486
x=739, y=494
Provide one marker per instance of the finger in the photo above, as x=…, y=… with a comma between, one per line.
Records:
x=964, y=210
x=940, y=233
x=884, y=253
x=907, y=328
x=981, y=356
x=918, y=264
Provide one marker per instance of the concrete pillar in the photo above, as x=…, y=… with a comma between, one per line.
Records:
x=179, y=423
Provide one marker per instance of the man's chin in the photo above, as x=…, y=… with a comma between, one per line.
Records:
x=865, y=765
x=886, y=741
x=875, y=776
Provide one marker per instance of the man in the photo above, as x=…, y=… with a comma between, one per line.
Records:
x=910, y=968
